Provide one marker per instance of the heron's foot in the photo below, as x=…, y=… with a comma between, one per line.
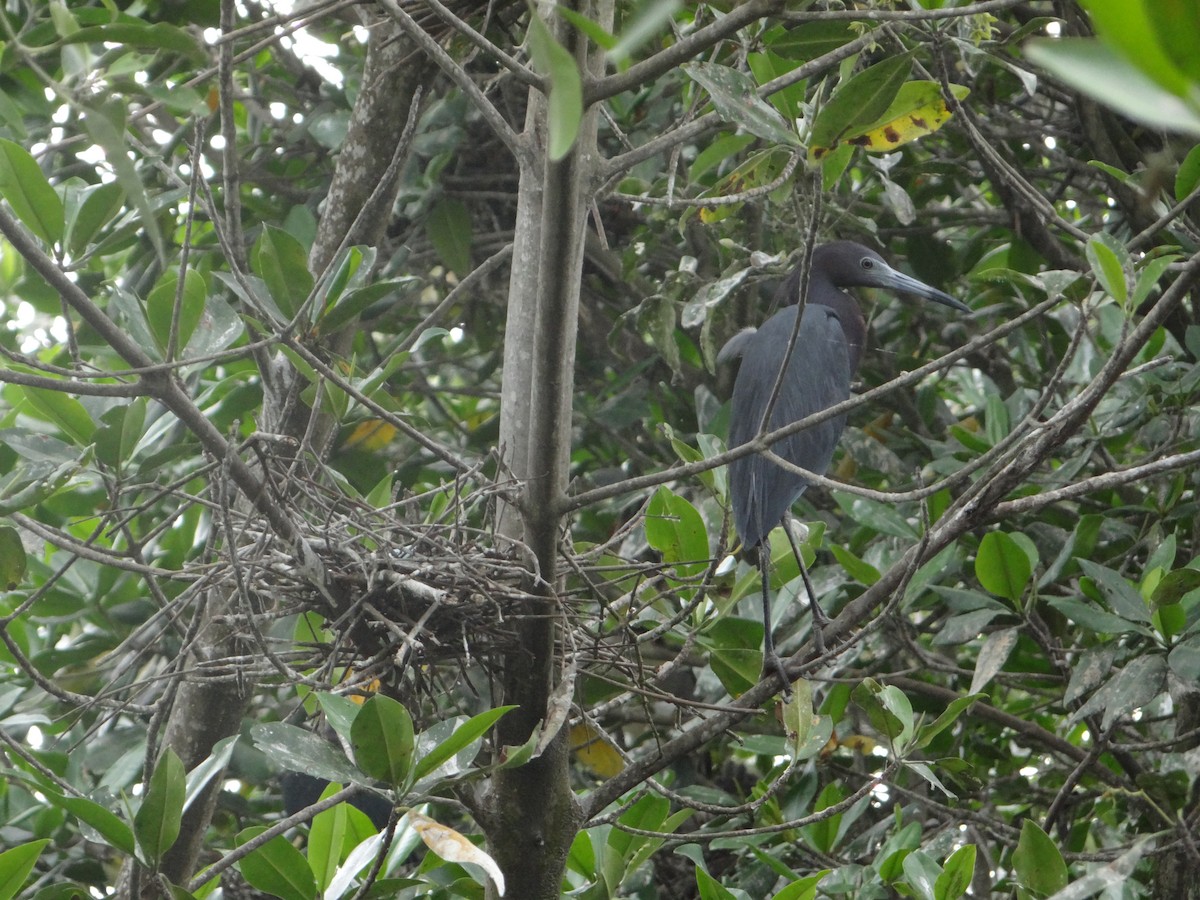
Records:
x=773, y=664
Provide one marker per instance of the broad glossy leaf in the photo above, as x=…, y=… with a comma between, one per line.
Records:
x=956, y=874
x=1123, y=598
x=1106, y=76
x=1188, y=176
x=675, y=529
x=282, y=263
x=1002, y=566
x=948, y=717
x=918, y=110
x=159, y=36
x=1108, y=259
x=857, y=102
x=1144, y=32
x=813, y=39
x=15, y=866
x=992, y=656
x=99, y=204
x=1039, y=864
x=157, y=821
x=277, y=868
x=463, y=736
x=299, y=750
x=160, y=307
x=921, y=873
x=29, y=194
x=383, y=740
x=64, y=411
x=735, y=97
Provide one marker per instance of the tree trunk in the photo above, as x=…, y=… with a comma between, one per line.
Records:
x=530, y=813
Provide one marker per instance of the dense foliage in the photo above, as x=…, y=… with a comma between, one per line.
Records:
x=257, y=490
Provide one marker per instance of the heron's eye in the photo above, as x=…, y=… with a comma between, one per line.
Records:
x=867, y=262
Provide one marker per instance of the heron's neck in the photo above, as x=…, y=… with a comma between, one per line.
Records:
x=849, y=316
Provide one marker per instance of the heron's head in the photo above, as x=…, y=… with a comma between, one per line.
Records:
x=845, y=264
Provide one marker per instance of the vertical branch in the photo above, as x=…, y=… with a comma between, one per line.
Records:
x=531, y=814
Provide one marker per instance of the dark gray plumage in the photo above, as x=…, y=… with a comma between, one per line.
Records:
x=823, y=361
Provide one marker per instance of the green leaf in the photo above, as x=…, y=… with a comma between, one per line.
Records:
x=735, y=98
x=282, y=263
x=857, y=102
x=156, y=823
x=120, y=432
x=29, y=193
x=339, y=711
x=1038, y=863
x=449, y=229
x=99, y=205
x=383, y=740
x=921, y=874
x=802, y=888
x=106, y=126
x=992, y=656
x=948, y=717
x=1144, y=34
x=64, y=411
x=472, y=729
x=676, y=530
x=1109, y=258
x=326, y=839
x=823, y=834
x=1184, y=660
x=710, y=888
x=1002, y=566
x=585, y=26
x=15, y=866
x=956, y=874
x=1123, y=598
x=277, y=868
x=813, y=39
x=159, y=36
x=870, y=696
x=565, y=101
x=1188, y=176
x=107, y=824
x=1147, y=280
x=734, y=648
x=1106, y=76
x=862, y=572
x=1174, y=586
x=302, y=751
x=12, y=558
x=160, y=307
x=353, y=304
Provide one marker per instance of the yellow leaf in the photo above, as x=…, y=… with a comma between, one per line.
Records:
x=370, y=435
x=919, y=109
x=859, y=742
x=593, y=752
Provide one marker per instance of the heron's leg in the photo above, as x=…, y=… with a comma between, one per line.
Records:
x=819, y=619
x=771, y=660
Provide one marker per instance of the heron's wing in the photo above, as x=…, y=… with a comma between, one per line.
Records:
x=818, y=376
x=735, y=346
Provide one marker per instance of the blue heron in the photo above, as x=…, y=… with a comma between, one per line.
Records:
x=825, y=355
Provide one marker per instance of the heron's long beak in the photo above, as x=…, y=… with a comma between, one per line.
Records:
x=906, y=284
